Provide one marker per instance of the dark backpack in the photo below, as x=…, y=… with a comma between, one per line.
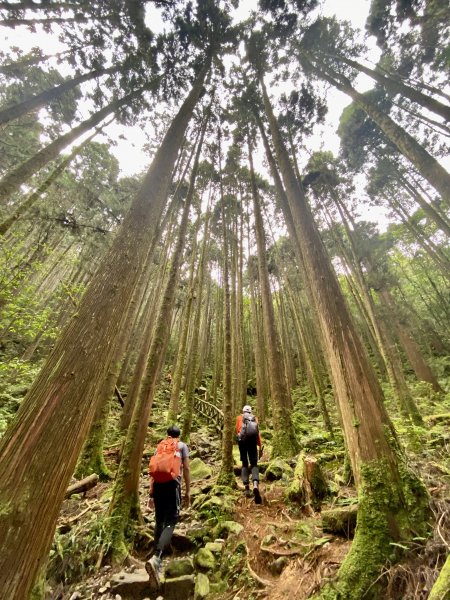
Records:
x=249, y=427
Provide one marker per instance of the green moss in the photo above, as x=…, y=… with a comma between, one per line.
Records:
x=441, y=588
x=284, y=445
x=389, y=511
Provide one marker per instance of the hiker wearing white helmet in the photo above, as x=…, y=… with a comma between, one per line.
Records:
x=249, y=439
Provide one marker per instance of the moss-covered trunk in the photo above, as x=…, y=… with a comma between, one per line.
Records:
x=39, y=451
x=124, y=507
x=393, y=500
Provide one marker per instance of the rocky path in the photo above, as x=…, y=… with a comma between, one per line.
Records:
x=225, y=546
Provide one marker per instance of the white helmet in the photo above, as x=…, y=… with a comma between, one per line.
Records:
x=247, y=408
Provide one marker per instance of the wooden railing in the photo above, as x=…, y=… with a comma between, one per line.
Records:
x=209, y=411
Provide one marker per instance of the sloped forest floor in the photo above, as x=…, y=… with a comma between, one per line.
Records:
x=273, y=551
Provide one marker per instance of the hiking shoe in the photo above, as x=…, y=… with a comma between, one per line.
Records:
x=247, y=492
x=153, y=568
x=258, y=499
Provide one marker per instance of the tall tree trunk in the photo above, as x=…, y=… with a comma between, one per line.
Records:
x=47, y=96
x=125, y=499
x=421, y=368
x=385, y=340
x=54, y=418
x=226, y=475
x=13, y=180
x=174, y=403
x=284, y=440
x=396, y=86
x=392, y=500
x=427, y=166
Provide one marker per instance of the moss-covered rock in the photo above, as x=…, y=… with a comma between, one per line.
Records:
x=199, y=470
x=177, y=568
x=202, y=587
x=216, y=506
x=227, y=528
x=278, y=469
x=179, y=588
x=205, y=560
x=219, y=588
x=215, y=547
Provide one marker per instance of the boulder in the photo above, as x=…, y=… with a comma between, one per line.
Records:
x=228, y=528
x=277, y=469
x=132, y=585
x=205, y=560
x=178, y=568
x=199, y=470
x=214, y=547
x=179, y=588
x=202, y=587
x=217, y=504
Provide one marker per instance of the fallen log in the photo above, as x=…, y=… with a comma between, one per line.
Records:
x=340, y=521
x=82, y=486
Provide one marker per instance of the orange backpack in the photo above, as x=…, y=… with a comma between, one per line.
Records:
x=165, y=465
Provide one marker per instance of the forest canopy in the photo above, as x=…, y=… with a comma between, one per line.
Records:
x=275, y=252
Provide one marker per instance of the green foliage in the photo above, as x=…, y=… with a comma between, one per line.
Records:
x=16, y=376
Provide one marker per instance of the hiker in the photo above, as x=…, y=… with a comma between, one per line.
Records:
x=249, y=439
x=167, y=466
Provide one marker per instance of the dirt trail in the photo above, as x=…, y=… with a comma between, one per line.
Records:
x=286, y=553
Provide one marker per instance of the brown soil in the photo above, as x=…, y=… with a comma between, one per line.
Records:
x=309, y=558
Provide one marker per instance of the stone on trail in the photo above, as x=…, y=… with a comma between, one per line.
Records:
x=278, y=469
x=132, y=585
x=202, y=587
x=228, y=527
x=199, y=470
x=177, y=568
x=204, y=560
x=184, y=543
x=214, y=547
x=179, y=588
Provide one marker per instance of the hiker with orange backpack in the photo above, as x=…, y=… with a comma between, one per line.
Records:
x=167, y=467
x=249, y=439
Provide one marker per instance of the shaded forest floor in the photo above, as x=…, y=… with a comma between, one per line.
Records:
x=281, y=550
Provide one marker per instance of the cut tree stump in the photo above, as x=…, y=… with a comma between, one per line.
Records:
x=309, y=486
x=82, y=486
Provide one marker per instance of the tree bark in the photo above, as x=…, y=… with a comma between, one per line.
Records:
x=54, y=418
x=47, y=96
x=284, y=441
x=13, y=180
x=427, y=166
x=125, y=499
x=393, y=501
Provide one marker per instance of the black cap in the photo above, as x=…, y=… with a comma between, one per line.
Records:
x=173, y=431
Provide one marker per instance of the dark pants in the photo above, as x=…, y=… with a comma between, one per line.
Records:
x=167, y=498
x=249, y=456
